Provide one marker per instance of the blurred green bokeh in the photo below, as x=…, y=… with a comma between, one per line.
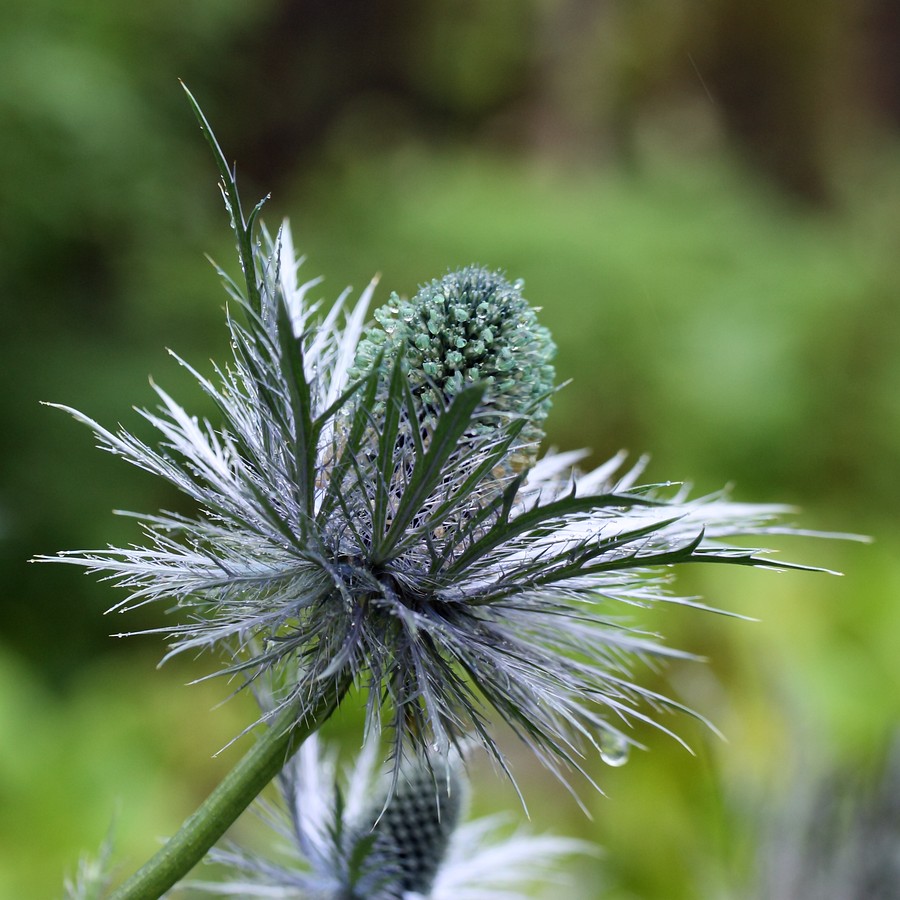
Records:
x=706, y=205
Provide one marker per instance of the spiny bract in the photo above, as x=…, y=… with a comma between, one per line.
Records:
x=344, y=843
x=362, y=512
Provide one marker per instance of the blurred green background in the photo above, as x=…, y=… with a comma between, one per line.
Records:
x=704, y=200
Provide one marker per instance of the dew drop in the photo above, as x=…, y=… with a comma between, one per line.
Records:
x=614, y=749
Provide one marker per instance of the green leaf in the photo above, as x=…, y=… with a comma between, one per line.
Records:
x=387, y=448
x=242, y=229
x=301, y=407
x=362, y=848
x=504, y=529
x=428, y=469
x=359, y=425
x=572, y=563
x=482, y=472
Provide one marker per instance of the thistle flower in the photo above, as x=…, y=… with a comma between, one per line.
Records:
x=343, y=839
x=362, y=513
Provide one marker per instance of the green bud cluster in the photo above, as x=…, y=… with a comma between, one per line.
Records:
x=471, y=326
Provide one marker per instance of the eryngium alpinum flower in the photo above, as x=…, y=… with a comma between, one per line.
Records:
x=341, y=839
x=376, y=526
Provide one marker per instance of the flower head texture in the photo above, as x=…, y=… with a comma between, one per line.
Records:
x=371, y=508
x=471, y=327
x=341, y=838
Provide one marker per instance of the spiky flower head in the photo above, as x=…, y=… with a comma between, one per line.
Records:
x=411, y=829
x=352, y=835
x=471, y=327
x=368, y=527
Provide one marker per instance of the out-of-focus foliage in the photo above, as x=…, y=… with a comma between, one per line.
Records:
x=703, y=201
x=833, y=834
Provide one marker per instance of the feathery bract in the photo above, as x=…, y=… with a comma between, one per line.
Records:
x=342, y=839
x=370, y=507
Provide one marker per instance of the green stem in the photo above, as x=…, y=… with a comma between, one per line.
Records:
x=235, y=793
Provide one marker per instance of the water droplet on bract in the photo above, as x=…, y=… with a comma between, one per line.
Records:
x=614, y=749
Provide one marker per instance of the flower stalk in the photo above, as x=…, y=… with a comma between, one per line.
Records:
x=240, y=787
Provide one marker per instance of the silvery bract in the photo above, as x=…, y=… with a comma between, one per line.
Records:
x=340, y=841
x=369, y=508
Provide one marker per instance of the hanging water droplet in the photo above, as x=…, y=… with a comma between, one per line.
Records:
x=614, y=749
